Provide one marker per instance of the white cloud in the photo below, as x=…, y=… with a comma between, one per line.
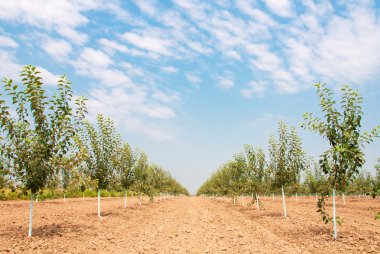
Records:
x=246, y=6
x=11, y=69
x=60, y=15
x=264, y=59
x=254, y=88
x=111, y=46
x=148, y=7
x=338, y=49
x=193, y=78
x=225, y=83
x=280, y=7
x=132, y=69
x=320, y=44
x=64, y=16
x=8, y=67
x=233, y=54
x=7, y=42
x=58, y=49
x=199, y=48
x=72, y=34
x=131, y=110
x=48, y=78
x=95, y=58
x=149, y=42
x=96, y=64
x=346, y=52
x=137, y=107
x=165, y=97
x=169, y=69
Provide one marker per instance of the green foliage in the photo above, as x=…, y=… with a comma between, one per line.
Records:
x=362, y=183
x=322, y=210
x=128, y=160
x=287, y=159
x=342, y=162
x=47, y=145
x=315, y=180
x=249, y=172
x=114, y=165
x=142, y=179
x=101, y=146
x=377, y=217
x=35, y=138
x=342, y=129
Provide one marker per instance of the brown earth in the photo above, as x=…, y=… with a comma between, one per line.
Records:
x=187, y=225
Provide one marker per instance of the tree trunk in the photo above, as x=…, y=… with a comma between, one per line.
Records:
x=30, y=215
x=257, y=202
x=334, y=215
x=283, y=200
x=125, y=200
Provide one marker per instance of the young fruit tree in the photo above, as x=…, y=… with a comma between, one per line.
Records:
x=286, y=159
x=102, y=147
x=256, y=172
x=37, y=134
x=342, y=128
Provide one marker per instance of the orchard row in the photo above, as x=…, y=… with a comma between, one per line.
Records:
x=338, y=168
x=48, y=143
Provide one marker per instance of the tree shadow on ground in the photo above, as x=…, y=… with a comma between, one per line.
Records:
x=258, y=214
x=51, y=230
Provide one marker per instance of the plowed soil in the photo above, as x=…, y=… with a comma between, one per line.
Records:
x=187, y=225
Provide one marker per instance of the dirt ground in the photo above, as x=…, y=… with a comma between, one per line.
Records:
x=187, y=225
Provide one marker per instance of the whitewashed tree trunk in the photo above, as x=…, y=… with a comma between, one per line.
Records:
x=334, y=215
x=125, y=200
x=257, y=202
x=64, y=198
x=30, y=215
x=283, y=201
x=344, y=200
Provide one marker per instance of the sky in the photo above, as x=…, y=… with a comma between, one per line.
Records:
x=190, y=81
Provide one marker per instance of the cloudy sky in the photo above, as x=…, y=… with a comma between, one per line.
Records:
x=191, y=81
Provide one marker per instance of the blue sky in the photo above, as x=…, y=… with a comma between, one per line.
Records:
x=190, y=81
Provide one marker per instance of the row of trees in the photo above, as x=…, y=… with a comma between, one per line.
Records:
x=251, y=171
x=48, y=142
x=338, y=167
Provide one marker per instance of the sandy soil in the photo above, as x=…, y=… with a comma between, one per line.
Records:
x=187, y=225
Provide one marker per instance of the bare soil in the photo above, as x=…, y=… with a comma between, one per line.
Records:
x=187, y=225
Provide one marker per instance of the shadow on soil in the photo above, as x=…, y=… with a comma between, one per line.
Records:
x=46, y=231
